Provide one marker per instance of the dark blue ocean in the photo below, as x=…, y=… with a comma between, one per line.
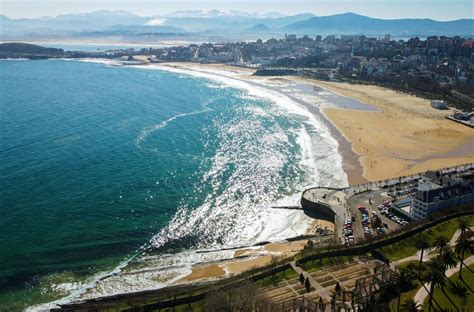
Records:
x=119, y=169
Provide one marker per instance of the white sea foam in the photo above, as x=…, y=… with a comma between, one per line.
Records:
x=101, y=61
x=14, y=59
x=328, y=150
x=149, y=130
x=233, y=216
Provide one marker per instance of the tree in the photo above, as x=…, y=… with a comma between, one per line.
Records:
x=321, y=304
x=448, y=259
x=461, y=292
x=301, y=278
x=436, y=277
x=242, y=298
x=441, y=244
x=463, y=246
x=402, y=284
x=410, y=305
x=307, y=285
x=422, y=244
x=273, y=264
x=463, y=226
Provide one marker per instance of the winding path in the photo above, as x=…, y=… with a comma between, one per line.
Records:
x=427, y=253
x=421, y=294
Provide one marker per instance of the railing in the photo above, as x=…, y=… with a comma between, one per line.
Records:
x=395, y=237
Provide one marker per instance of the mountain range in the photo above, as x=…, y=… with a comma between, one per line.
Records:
x=232, y=25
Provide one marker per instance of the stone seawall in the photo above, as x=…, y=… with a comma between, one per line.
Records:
x=318, y=210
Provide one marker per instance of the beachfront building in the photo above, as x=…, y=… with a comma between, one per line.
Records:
x=436, y=192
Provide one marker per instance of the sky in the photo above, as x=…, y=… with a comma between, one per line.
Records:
x=435, y=9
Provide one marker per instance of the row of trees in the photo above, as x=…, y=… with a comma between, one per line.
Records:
x=434, y=271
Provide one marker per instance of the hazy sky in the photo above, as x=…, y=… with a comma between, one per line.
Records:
x=435, y=9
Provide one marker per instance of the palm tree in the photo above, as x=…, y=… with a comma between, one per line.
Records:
x=461, y=292
x=422, y=244
x=436, y=277
x=448, y=259
x=463, y=246
x=402, y=284
x=441, y=244
x=463, y=226
x=410, y=305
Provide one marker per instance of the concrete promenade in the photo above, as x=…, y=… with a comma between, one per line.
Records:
x=336, y=199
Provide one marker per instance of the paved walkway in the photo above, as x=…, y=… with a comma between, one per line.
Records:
x=336, y=199
x=427, y=253
x=422, y=293
x=319, y=289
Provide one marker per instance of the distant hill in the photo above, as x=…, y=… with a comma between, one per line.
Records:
x=67, y=24
x=25, y=50
x=259, y=28
x=209, y=22
x=229, y=25
x=219, y=13
x=351, y=23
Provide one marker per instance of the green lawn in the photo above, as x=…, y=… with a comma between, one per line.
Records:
x=411, y=265
x=273, y=280
x=315, y=265
x=405, y=296
x=404, y=265
x=407, y=247
x=444, y=302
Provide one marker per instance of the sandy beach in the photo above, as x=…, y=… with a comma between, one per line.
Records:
x=251, y=257
x=401, y=135
x=350, y=160
x=405, y=135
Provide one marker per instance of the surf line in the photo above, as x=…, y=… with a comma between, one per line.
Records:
x=151, y=129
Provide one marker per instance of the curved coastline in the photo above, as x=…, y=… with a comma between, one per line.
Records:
x=248, y=256
x=252, y=254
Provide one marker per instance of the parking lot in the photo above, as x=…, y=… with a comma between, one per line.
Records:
x=402, y=191
x=365, y=209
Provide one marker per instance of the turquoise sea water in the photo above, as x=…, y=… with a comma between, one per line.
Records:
x=101, y=164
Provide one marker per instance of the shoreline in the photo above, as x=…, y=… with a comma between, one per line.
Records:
x=403, y=136
x=357, y=168
x=406, y=136
x=240, y=259
x=356, y=164
x=247, y=258
x=350, y=161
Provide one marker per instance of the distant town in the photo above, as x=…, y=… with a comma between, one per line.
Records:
x=439, y=67
x=395, y=244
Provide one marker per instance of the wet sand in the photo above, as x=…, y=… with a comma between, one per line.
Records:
x=251, y=257
x=403, y=135
x=383, y=134
x=204, y=272
x=350, y=160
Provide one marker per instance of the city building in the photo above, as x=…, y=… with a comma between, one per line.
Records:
x=436, y=192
